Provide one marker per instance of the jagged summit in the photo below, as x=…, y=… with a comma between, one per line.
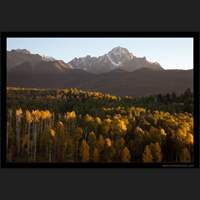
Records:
x=119, y=51
x=22, y=60
x=118, y=57
x=23, y=51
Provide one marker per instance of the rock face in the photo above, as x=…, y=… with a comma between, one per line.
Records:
x=118, y=57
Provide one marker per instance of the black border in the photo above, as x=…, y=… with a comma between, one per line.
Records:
x=194, y=35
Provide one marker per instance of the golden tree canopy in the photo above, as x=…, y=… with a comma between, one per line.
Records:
x=147, y=155
x=19, y=113
x=52, y=132
x=84, y=151
x=70, y=115
x=125, y=155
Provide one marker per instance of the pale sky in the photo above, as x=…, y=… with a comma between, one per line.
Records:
x=171, y=53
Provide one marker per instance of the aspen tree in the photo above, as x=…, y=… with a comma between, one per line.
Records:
x=29, y=121
x=95, y=155
x=147, y=155
x=18, y=127
x=185, y=155
x=84, y=151
x=156, y=152
x=125, y=155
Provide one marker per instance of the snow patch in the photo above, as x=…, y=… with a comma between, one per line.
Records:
x=114, y=63
x=47, y=58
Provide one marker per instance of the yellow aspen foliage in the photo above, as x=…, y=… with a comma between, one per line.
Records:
x=125, y=155
x=190, y=138
x=112, y=130
x=98, y=120
x=70, y=115
x=96, y=155
x=181, y=132
x=120, y=143
x=156, y=152
x=84, y=151
x=108, y=142
x=147, y=155
x=19, y=113
x=108, y=121
x=119, y=126
x=78, y=132
x=105, y=126
x=91, y=138
x=139, y=131
x=52, y=132
x=100, y=143
x=122, y=126
x=88, y=118
x=185, y=155
x=162, y=132
x=36, y=114
x=28, y=117
x=45, y=114
x=25, y=140
x=60, y=124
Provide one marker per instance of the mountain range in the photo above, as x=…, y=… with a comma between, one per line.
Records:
x=118, y=72
x=117, y=58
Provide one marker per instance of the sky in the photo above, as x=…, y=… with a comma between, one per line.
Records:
x=171, y=53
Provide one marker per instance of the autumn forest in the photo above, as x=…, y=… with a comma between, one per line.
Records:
x=72, y=125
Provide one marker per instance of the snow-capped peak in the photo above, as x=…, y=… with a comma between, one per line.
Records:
x=117, y=58
x=119, y=51
x=119, y=54
x=23, y=51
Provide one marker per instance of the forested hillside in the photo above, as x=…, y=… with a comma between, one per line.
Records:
x=72, y=125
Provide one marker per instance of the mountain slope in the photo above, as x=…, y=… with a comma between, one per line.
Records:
x=119, y=72
x=142, y=82
x=118, y=57
x=40, y=67
x=69, y=78
x=19, y=56
x=118, y=82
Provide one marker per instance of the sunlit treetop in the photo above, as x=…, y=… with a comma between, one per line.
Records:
x=108, y=142
x=45, y=114
x=52, y=132
x=60, y=124
x=70, y=115
x=28, y=117
x=36, y=114
x=98, y=120
x=88, y=118
x=19, y=113
x=190, y=138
